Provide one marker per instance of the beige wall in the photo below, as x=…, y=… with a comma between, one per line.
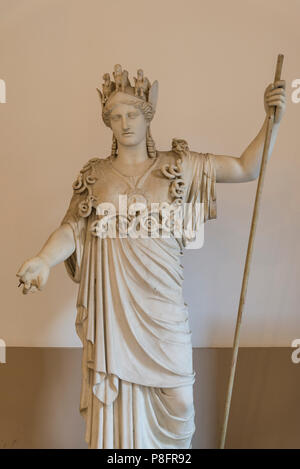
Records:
x=213, y=60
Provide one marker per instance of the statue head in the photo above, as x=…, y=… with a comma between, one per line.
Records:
x=128, y=110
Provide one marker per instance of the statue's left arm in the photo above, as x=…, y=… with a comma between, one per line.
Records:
x=247, y=166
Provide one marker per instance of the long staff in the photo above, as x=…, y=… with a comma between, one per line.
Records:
x=249, y=257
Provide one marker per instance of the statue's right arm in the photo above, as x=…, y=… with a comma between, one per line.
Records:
x=35, y=271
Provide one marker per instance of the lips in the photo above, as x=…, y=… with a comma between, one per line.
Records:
x=127, y=133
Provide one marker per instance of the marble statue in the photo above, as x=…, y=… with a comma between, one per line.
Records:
x=137, y=370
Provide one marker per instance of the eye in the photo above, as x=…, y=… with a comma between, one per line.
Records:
x=133, y=115
x=115, y=117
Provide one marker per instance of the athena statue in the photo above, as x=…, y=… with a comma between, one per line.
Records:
x=130, y=217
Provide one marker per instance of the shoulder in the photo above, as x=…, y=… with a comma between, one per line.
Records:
x=94, y=163
x=89, y=173
x=83, y=198
x=181, y=159
x=179, y=149
x=188, y=158
x=191, y=158
x=192, y=164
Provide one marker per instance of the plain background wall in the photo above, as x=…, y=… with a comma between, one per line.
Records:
x=213, y=60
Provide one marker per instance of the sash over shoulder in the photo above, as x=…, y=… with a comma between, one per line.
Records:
x=198, y=176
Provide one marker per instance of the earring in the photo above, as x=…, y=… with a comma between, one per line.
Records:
x=150, y=144
x=114, y=147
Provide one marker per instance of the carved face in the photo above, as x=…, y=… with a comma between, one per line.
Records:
x=128, y=124
x=118, y=69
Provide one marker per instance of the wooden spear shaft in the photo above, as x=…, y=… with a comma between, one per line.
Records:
x=249, y=258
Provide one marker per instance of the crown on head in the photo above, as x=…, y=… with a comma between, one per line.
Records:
x=142, y=88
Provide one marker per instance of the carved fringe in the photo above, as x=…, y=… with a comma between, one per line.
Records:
x=114, y=147
x=150, y=144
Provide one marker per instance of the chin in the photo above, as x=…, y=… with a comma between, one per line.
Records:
x=129, y=141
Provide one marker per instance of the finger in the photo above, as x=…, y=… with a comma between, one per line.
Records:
x=34, y=281
x=279, y=99
x=275, y=99
x=276, y=106
x=280, y=83
x=22, y=269
x=26, y=278
x=280, y=91
x=268, y=89
x=30, y=287
x=275, y=102
x=26, y=288
x=276, y=91
x=41, y=280
x=276, y=96
x=28, y=267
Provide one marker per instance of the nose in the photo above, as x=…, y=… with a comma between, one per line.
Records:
x=124, y=123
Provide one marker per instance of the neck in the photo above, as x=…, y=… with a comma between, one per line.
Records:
x=133, y=154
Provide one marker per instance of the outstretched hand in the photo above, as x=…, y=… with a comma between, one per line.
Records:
x=275, y=96
x=33, y=274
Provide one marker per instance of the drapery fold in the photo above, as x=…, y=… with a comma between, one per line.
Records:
x=134, y=328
